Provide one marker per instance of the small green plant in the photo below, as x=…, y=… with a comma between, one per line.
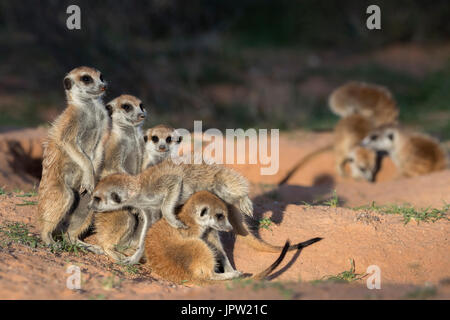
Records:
x=2, y=191
x=65, y=245
x=18, y=232
x=287, y=293
x=27, y=203
x=111, y=282
x=409, y=213
x=32, y=193
x=265, y=223
x=333, y=201
x=343, y=277
x=130, y=268
x=98, y=297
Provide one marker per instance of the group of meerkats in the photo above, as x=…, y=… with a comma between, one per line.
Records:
x=369, y=129
x=102, y=171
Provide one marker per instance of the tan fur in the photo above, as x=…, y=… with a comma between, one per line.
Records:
x=123, y=154
x=413, y=153
x=73, y=155
x=372, y=101
x=160, y=188
x=184, y=254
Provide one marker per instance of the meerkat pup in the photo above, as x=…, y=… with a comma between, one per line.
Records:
x=348, y=134
x=161, y=188
x=185, y=254
x=372, y=101
x=124, y=151
x=161, y=142
x=73, y=154
x=413, y=153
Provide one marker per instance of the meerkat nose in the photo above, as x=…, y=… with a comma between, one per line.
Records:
x=142, y=116
x=103, y=87
x=161, y=147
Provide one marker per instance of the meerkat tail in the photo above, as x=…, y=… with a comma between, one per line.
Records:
x=260, y=245
x=303, y=161
x=263, y=274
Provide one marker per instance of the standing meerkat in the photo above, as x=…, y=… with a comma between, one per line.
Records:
x=186, y=254
x=73, y=154
x=413, y=153
x=161, y=142
x=161, y=188
x=348, y=134
x=372, y=101
x=124, y=151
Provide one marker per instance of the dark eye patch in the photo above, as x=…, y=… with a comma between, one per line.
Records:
x=97, y=199
x=391, y=136
x=374, y=137
x=155, y=139
x=203, y=212
x=169, y=139
x=116, y=198
x=86, y=79
x=220, y=216
x=362, y=169
x=126, y=107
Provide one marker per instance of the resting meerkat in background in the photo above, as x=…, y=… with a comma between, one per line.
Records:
x=348, y=134
x=185, y=254
x=161, y=142
x=372, y=101
x=161, y=188
x=73, y=154
x=413, y=153
x=124, y=151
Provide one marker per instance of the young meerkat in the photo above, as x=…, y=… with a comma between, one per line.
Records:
x=186, y=254
x=348, y=134
x=413, y=153
x=73, y=154
x=161, y=142
x=124, y=151
x=372, y=101
x=161, y=188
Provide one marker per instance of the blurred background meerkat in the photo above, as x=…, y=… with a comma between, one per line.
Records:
x=372, y=101
x=412, y=152
x=73, y=154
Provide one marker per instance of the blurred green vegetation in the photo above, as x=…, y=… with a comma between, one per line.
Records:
x=247, y=63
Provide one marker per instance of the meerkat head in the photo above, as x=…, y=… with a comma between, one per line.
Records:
x=113, y=193
x=363, y=163
x=126, y=110
x=84, y=83
x=381, y=139
x=209, y=211
x=161, y=142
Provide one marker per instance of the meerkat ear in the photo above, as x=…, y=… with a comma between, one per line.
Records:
x=145, y=138
x=109, y=109
x=179, y=139
x=67, y=83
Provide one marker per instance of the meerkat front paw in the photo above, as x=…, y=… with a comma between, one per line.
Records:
x=87, y=184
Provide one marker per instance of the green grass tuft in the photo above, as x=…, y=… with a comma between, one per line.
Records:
x=343, y=277
x=265, y=223
x=18, y=232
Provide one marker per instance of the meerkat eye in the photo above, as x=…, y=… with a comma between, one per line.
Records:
x=350, y=160
x=155, y=139
x=362, y=169
x=86, y=79
x=220, y=216
x=97, y=199
x=101, y=77
x=391, y=136
x=169, y=139
x=203, y=212
x=142, y=107
x=374, y=137
x=126, y=107
x=116, y=198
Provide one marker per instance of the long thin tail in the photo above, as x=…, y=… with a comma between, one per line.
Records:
x=263, y=274
x=303, y=161
x=260, y=245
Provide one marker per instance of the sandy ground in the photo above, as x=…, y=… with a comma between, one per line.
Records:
x=413, y=258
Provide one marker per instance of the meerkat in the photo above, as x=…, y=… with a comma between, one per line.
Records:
x=73, y=154
x=124, y=151
x=413, y=153
x=161, y=142
x=348, y=134
x=186, y=254
x=161, y=188
x=372, y=101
